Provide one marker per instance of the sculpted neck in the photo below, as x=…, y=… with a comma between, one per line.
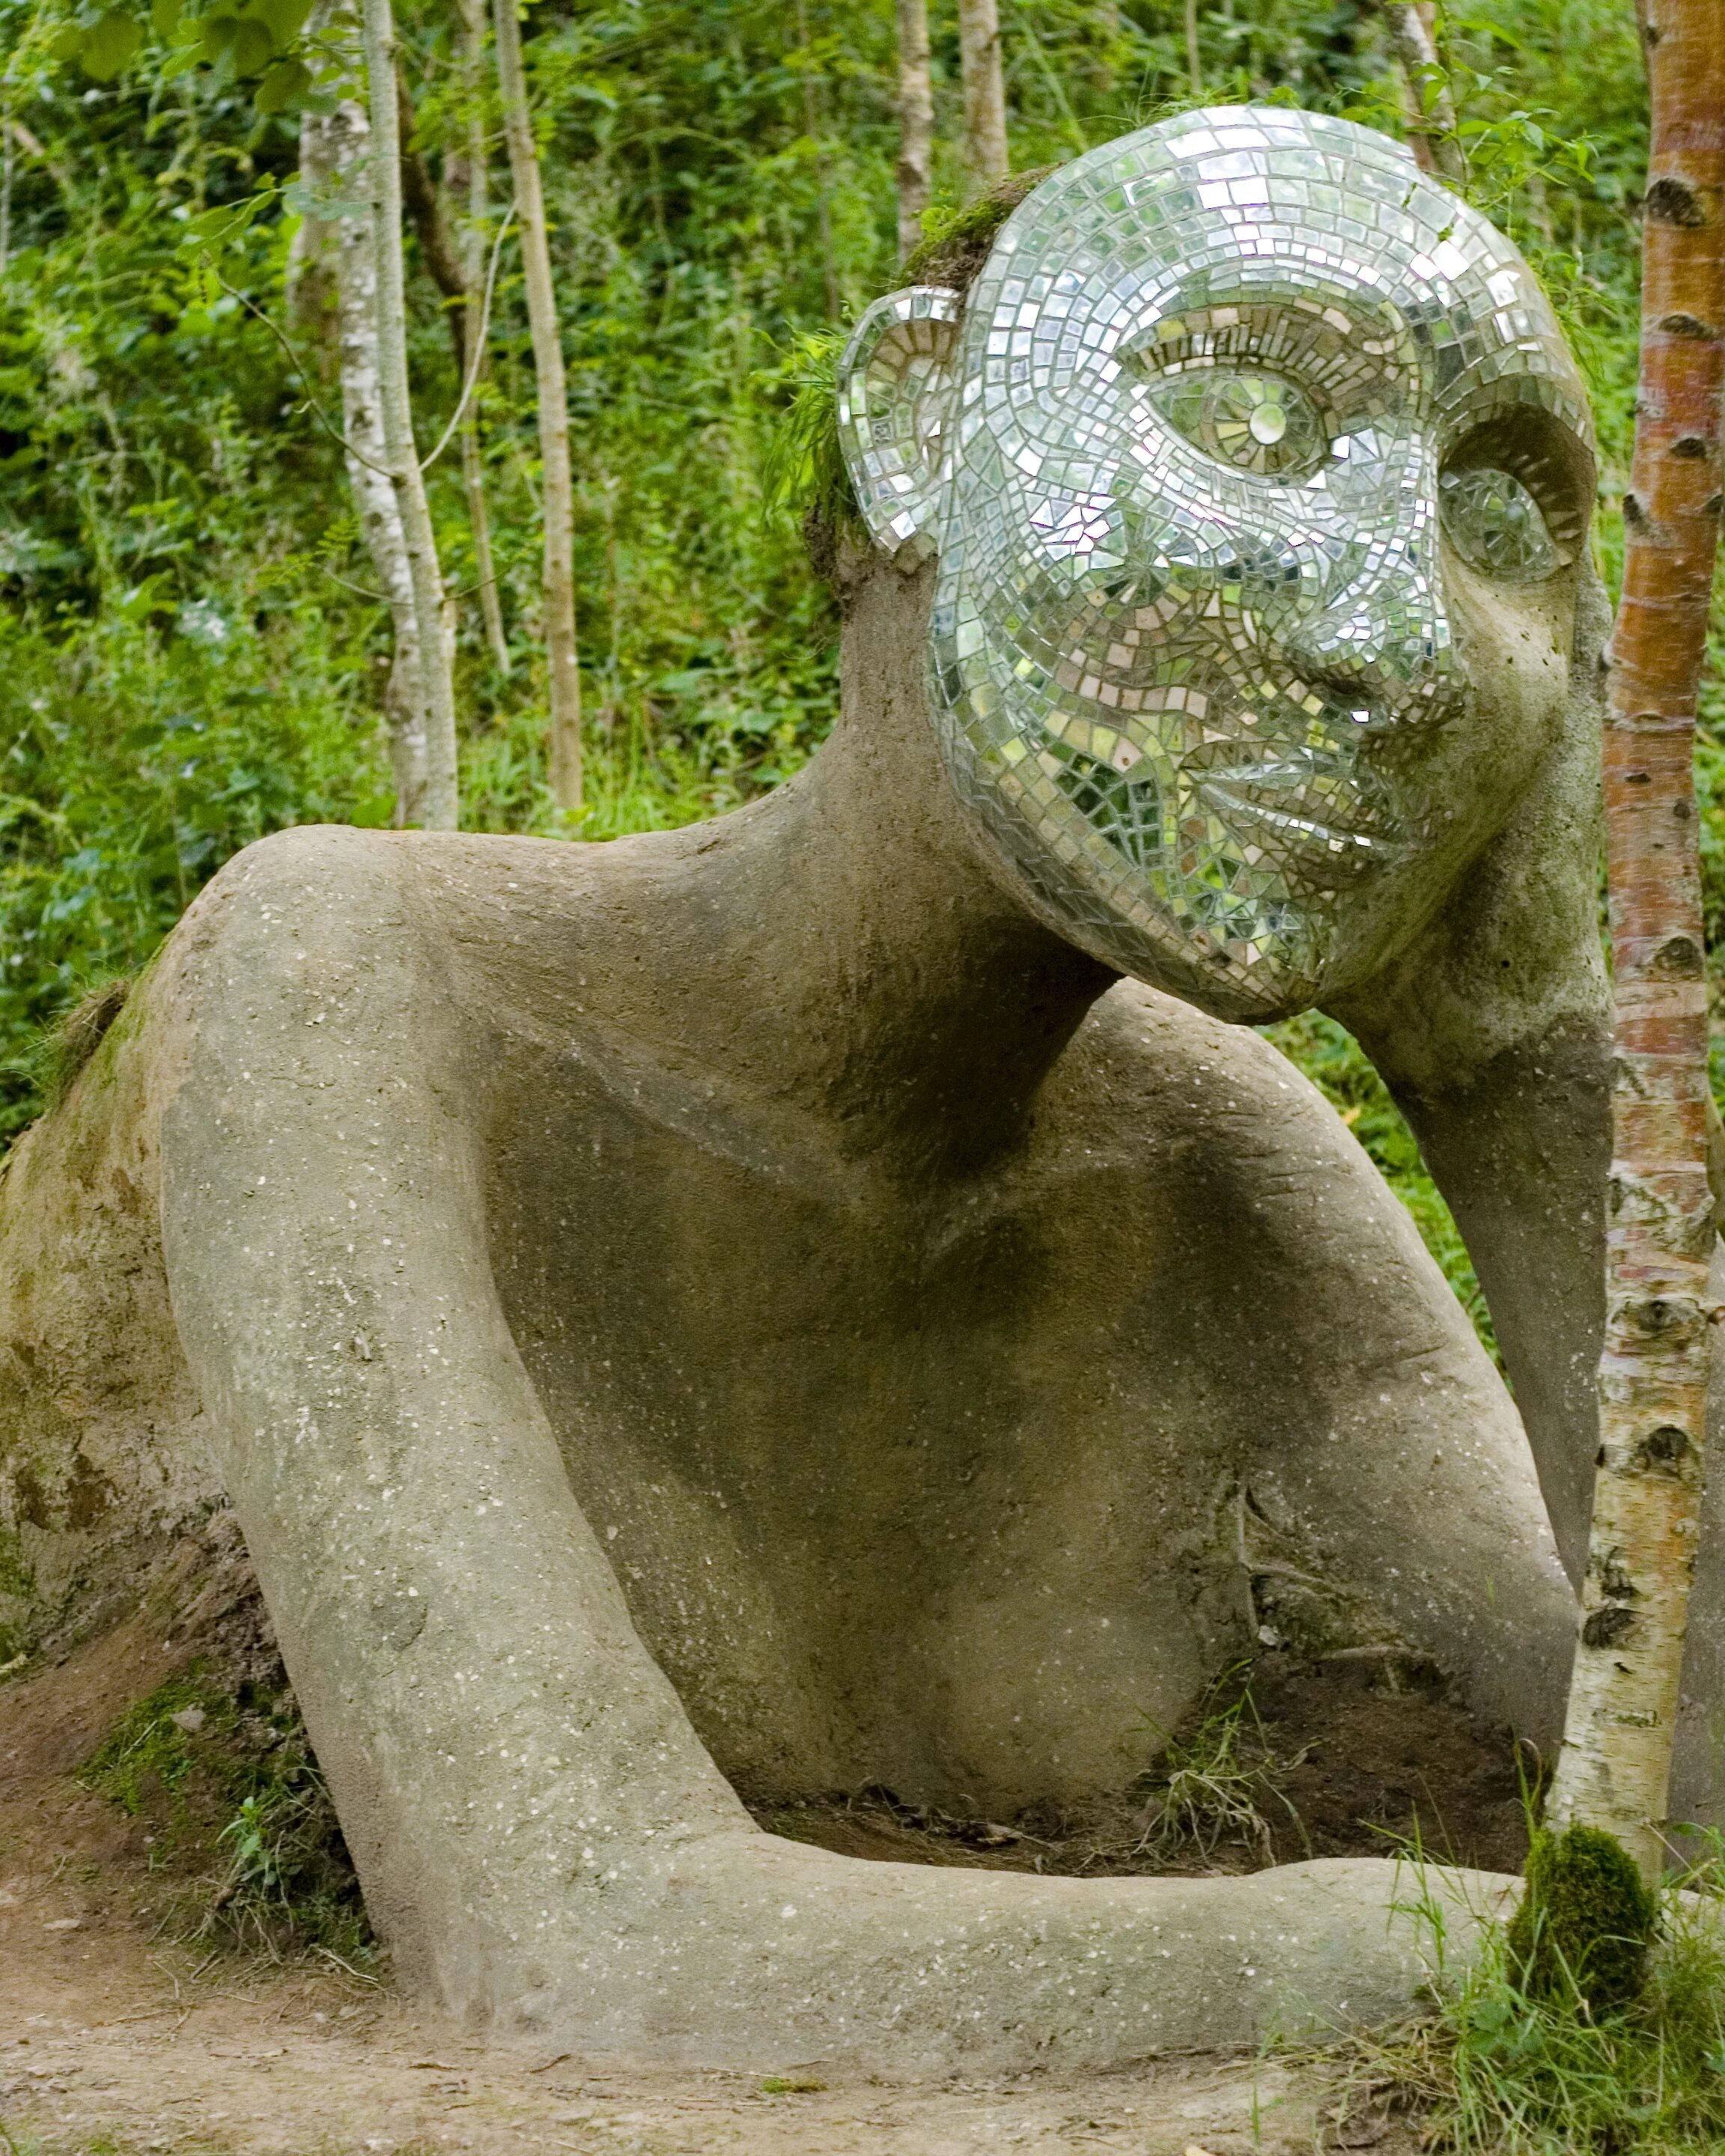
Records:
x=896, y=988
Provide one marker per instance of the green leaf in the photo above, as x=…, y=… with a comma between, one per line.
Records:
x=251, y=46
x=215, y=34
x=67, y=44
x=165, y=16
x=284, y=19
x=287, y=81
x=109, y=46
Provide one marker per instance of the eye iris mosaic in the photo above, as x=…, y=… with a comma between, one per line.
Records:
x=1184, y=453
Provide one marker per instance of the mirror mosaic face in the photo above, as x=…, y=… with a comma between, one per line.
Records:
x=1185, y=454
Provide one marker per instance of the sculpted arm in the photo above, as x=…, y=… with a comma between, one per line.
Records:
x=458, y=1643
x=1493, y=1034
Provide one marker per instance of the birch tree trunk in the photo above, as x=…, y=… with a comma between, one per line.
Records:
x=915, y=123
x=440, y=801
x=984, y=148
x=1194, y=65
x=334, y=150
x=1431, y=118
x=557, y=488
x=813, y=122
x=1615, y=1766
x=472, y=470
x=458, y=272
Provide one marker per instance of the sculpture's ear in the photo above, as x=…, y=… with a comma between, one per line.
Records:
x=897, y=406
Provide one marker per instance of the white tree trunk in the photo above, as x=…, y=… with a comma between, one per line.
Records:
x=556, y=479
x=333, y=152
x=984, y=150
x=1431, y=133
x=915, y=123
x=1615, y=1771
x=441, y=802
x=473, y=475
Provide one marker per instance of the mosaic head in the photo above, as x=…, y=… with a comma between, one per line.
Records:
x=1258, y=475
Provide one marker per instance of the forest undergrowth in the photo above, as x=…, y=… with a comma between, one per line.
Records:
x=190, y=656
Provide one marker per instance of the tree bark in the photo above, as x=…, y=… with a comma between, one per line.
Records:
x=915, y=123
x=984, y=148
x=556, y=484
x=458, y=272
x=1431, y=126
x=441, y=802
x=1616, y=1765
x=334, y=150
x=1194, y=65
x=472, y=470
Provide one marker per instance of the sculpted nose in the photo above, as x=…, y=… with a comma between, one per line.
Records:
x=1385, y=643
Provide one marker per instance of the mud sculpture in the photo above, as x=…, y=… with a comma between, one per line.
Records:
x=766, y=1308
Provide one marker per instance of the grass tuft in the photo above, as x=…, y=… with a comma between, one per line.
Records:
x=804, y=472
x=1211, y=1787
x=1496, y=2069
x=243, y=1824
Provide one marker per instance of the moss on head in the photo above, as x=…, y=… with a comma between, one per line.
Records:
x=805, y=473
x=956, y=242
x=1586, y=1920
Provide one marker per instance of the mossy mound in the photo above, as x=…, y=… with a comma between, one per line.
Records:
x=242, y=1827
x=1586, y=1922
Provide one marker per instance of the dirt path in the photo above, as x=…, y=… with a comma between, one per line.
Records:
x=96, y=2053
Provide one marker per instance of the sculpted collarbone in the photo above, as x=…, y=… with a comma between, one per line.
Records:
x=1258, y=475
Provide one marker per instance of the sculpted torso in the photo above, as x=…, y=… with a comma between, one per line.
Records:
x=767, y=1308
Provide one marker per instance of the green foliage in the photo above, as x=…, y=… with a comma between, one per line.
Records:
x=189, y=658
x=1585, y=1921
x=240, y=1813
x=1496, y=2069
x=803, y=468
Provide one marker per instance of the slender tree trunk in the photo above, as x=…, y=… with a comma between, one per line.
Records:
x=1431, y=118
x=813, y=126
x=457, y=270
x=557, y=480
x=1108, y=37
x=441, y=807
x=984, y=147
x=915, y=123
x=1616, y=1765
x=1194, y=65
x=334, y=151
x=472, y=470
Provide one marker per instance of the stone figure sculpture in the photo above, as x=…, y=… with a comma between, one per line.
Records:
x=767, y=1308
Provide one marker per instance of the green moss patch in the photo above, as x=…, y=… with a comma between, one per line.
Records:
x=241, y=1827
x=1586, y=1922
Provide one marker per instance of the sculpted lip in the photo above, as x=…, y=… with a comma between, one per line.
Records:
x=1335, y=846
x=1304, y=815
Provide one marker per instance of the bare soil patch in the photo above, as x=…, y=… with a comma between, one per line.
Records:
x=1347, y=1758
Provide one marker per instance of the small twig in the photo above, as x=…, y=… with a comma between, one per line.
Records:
x=311, y=403
x=337, y=434
x=476, y=357
x=358, y=1975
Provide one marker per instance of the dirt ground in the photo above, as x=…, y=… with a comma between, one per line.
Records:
x=113, y=2041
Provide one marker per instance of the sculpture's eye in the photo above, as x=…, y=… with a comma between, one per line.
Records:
x=1256, y=422
x=1494, y=524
